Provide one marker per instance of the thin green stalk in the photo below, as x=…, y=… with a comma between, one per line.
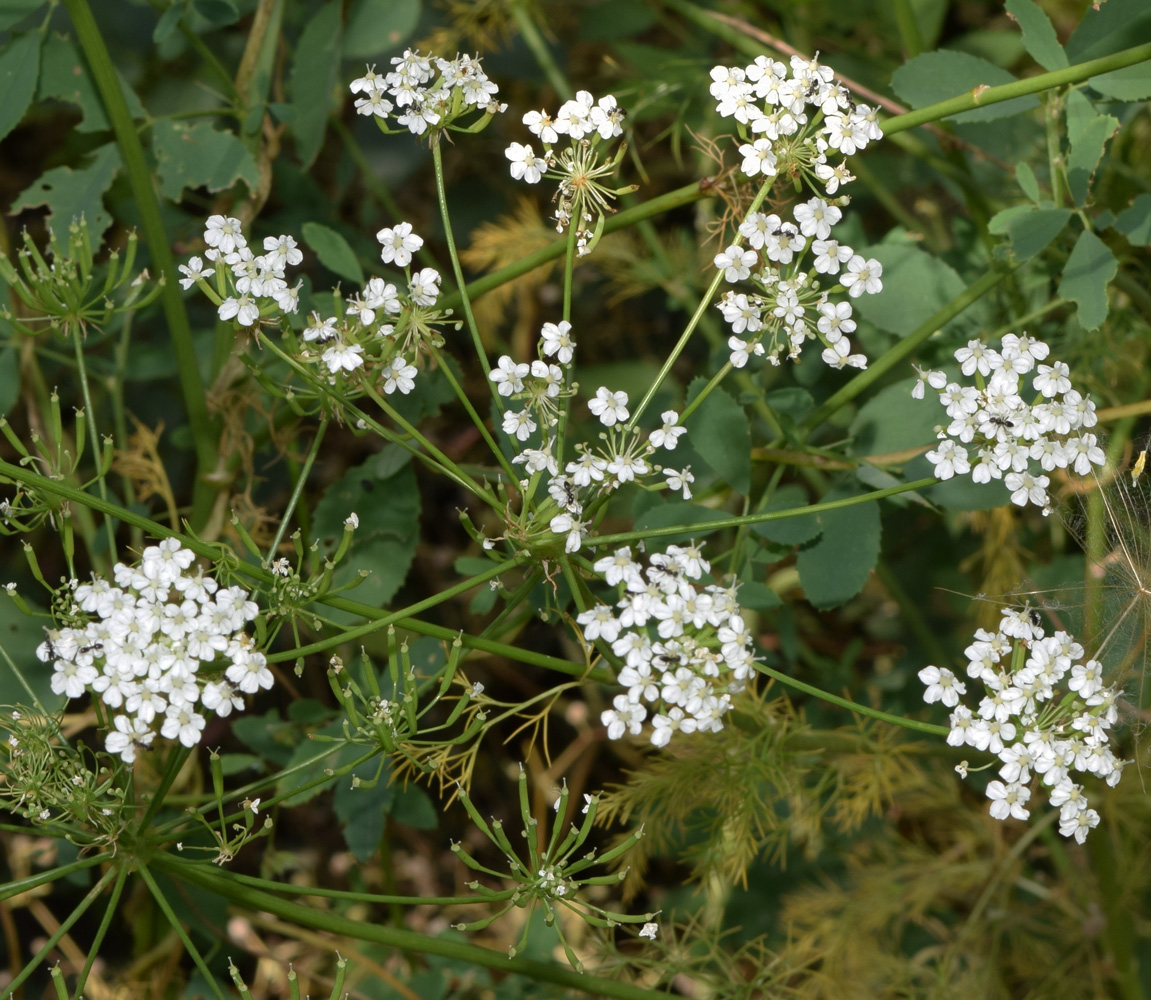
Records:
x=135, y=165
x=65, y=926
x=297, y=491
x=180, y=754
x=222, y=885
x=102, y=930
x=775, y=515
x=569, y=271
x=904, y=349
x=457, y=270
x=181, y=932
x=706, y=391
x=360, y=897
x=621, y=220
x=834, y=699
x=11, y=889
x=93, y=437
x=908, y=28
x=538, y=45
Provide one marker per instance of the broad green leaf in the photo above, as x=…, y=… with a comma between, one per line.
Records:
x=19, y=68
x=313, y=758
x=64, y=76
x=758, y=596
x=893, y=420
x=385, y=542
x=1134, y=222
x=9, y=377
x=719, y=432
x=217, y=13
x=937, y=76
x=376, y=27
x=1087, y=144
x=193, y=156
x=70, y=194
x=168, y=23
x=916, y=286
x=413, y=808
x=1025, y=176
x=1039, y=36
x=789, y=530
x=20, y=634
x=362, y=811
x=12, y=12
x=268, y=735
x=315, y=72
x=836, y=567
x=1086, y=275
x=333, y=251
x=1132, y=83
x=1029, y=229
x=1107, y=28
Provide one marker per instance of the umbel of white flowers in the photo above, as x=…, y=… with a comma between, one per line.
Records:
x=163, y=645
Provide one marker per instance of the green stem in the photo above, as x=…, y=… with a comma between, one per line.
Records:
x=360, y=897
x=621, y=220
x=147, y=204
x=11, y=889
x=298, y=490
x=93, y=438
x=457, y=270
x=535, y=41
x=834, y=699
x=908, y=28
x=706, y=391
x=220, y=884
x=102, y=930
x=904, y=349
x=775, y=515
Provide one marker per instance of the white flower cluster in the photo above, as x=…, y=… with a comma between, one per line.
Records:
x=426, y=91
x=1043, y=712
x=793, y=116
x=160, y=646
x=252, y=284
x=578, y=167
x=791, y=305
x=1005, y=432
x=686, y=648
x=623, y=457
x=255, y=286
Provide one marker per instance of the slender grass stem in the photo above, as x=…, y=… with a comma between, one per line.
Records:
x=298, y=489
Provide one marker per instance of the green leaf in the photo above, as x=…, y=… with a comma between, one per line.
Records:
x=12, y=12
x=333, y=251
x=168, y=23
x=1107, y=28
x=893, y=420
x=937, y=76
x=788, y=530
x=193, y=156
x=19, y=68
x=1039, y=36
x=1025, y=177
x=1086, y=275
x=1134, y=222
x=20, y=634
x=268, y=735
x=413, y=808
x=1088, y=133
x=758, y=596
x=70, y=194
x=9, y=378
x=315, y=72
x=376, y=27
x=719, y=432
x=836, y=568
x=1029, y=229
x=311, y=759
x=1132, y=83
x=385, y=542
x=665, y=515
x=218, y=13
x=64, y=76
x=362, y=811
x=916, y=286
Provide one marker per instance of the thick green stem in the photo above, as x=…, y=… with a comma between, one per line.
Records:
x=217, y=882
x=135, y=165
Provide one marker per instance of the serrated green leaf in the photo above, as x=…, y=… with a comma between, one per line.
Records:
x=1088, y=272
x=893, y=420
x=1025, y=177
x=1132, y=83
x=1086, y=151
x=362, y=811
x=836, y=567
x=376, y=27
x=1107, y=28
x=12, y=12
x=413, y=808
x=1134, y=222
x=758, y=596
x=315, y=72
x=1029, y=229
x=334, y=251
x=19, y=69
x=385, y=542
x=193, y=156
x=916, y=286
x=1039, y=36
x=64, y=76
x=938, y=76
x=789, y=530
x=70, y=194
x=719, y=433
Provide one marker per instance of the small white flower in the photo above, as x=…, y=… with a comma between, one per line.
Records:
x=862, y=276
x=398, y=243
x=194, y=271
x=735, y=262
x=525, y=165
x=667, y=436
x=610, y=407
